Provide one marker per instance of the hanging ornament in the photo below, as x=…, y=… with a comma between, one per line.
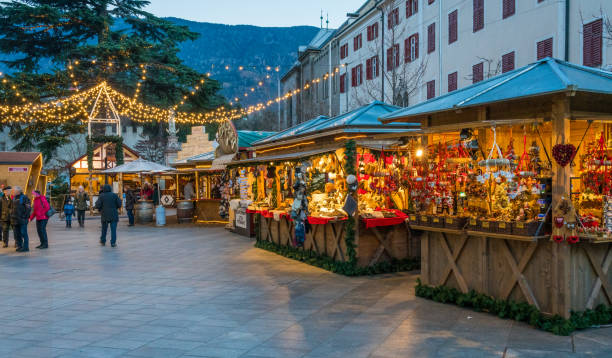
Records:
x=563, y=153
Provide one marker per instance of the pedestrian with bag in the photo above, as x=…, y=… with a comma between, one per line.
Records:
x=20, y=213
x=108, y=205
x=40, y=208
x=130, y=201
x=69, y=211
x=5, y=215
x=81, y=205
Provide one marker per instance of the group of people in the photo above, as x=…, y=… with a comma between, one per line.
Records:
x=78, y=204
x=16, y=211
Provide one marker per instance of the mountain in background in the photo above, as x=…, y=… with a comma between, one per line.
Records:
x=244, y=45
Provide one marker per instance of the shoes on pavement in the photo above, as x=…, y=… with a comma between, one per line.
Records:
x=22, y=250
x=103, y=243
x=39, y=246
x=42, y=247
x=113, y=245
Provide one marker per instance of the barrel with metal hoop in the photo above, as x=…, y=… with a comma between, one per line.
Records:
x=144, y=211
x=184, y=211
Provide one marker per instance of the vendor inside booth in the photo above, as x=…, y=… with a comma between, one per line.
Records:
x=512, y=193
x=310, y=183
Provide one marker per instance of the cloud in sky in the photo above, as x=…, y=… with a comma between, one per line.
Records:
x=273, y=13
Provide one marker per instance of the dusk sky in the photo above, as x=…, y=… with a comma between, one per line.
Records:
x=257, y=12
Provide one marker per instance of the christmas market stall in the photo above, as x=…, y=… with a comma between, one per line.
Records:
x=510, y=188
x=324, y=190
x=23, y=169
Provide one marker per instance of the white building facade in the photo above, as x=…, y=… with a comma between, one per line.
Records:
x=407, y=51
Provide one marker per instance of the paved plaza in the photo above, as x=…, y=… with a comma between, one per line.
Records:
x=195, y=291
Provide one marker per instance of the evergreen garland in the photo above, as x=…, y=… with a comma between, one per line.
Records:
x=115, y=139
x=519, y=311
x=350, y=160
x=327, y=263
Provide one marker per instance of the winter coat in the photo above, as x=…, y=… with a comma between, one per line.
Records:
x=81, y=201
x=20, y=210
x=155, y=198
x=5, y=209
x=69, y=209
x=41, y=206
x=130, y=200
x=108, y=204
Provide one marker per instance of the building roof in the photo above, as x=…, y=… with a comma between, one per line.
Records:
x=208, y=156
x=247, y=138
x=547, y=76
x=18, y=157
x=321, y=38
x=361, y=120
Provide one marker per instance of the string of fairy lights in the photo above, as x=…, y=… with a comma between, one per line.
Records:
x=76, y=105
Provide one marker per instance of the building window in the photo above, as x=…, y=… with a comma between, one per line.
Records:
x=508, y=8
x=477, y=72
x=393, y=57
x=545, y=48
x=357, y=42
x=2, y=146
x=393, y=18
x=592, y=38
x=452, y=81
x=357, y=75
x=412, y=7
x=372, y=68
x=431, y=89
x=431, y=38
x=478, y=15
x=508, y=62
x=343, y=83
x=411, y=48
x=372, y=32
x=452, y=27
x=344, y=51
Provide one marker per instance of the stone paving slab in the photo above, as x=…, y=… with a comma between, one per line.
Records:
x=188, y=291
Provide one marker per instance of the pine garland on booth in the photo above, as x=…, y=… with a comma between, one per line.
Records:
x=519, y=311
x=350, y=160
x=115, y=139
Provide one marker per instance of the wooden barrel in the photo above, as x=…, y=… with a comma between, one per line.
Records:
x=144, y=212
x=184, y=211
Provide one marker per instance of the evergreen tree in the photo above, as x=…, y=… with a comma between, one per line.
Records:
x=118, y=35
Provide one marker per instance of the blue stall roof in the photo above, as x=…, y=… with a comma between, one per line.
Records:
x=546, y=76
x=247, y=138
x=361, y=120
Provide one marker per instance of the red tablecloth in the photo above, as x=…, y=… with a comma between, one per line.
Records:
x=249, y=211
x=370, y=223
x=322, y=221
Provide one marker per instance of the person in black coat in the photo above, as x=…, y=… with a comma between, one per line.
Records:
x=130, y=201
x=20, y=216
x=108, y=205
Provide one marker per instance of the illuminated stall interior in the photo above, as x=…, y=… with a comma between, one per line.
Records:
x=23, y=169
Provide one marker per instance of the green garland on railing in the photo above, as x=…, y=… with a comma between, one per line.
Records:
x=350, y=160
x=115, y=139
x=329, y=264
x=519, y=311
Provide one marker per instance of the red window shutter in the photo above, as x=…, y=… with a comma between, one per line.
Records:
x=592, y=36
x=390, y=59
x=369, y=35
x=431, y=38
x=431, y=89
x=407, y=50
x=430, y=2
x=375, y=31
x=545, y=48
x=377, y=66
x=369, y=69
x=416, y=48
x=343, y=83
x=477, y=72
x=452, y=81
x=408, y=8
x=509, y=7
x=416, y=6
x=478, y=15
x=360, y=73
x=508, y=62
x=452, y=27
x=396, y=50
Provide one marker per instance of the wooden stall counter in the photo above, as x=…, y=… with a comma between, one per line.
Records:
x=207, y=212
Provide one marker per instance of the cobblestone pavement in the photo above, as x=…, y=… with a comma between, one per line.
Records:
x=204, y=292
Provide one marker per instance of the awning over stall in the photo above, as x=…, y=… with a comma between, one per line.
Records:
x=281, y=157
x=138, y=166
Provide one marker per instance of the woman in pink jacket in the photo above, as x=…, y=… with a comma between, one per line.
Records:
x=39, y=211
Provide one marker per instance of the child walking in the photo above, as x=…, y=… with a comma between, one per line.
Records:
x=69, y=211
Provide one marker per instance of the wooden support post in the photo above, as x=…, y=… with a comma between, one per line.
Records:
x=560, y=188
x=197, y=180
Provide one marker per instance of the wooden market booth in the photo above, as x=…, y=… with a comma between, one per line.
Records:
x=23, y=169
x=521, y=256
x=318, y=147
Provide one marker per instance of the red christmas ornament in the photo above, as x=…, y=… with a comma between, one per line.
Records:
x=563, y=153
x=573, y=239
x=557, y=238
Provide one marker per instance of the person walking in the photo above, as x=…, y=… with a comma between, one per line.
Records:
x=40, y=209
x=189, y=191
x=155, y=195
x=108, y=204
x=81, y=205
x=69, y=211
x=5, y=215
x=20, y=212
x=130, y=201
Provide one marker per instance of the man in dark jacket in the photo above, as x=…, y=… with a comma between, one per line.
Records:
x=108, y=204
x=5, y=215
x=130, y=201
x=20, y=215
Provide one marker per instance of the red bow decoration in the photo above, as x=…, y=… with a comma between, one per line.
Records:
x=557, y=238
x=563, y=153
x=573, y=239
